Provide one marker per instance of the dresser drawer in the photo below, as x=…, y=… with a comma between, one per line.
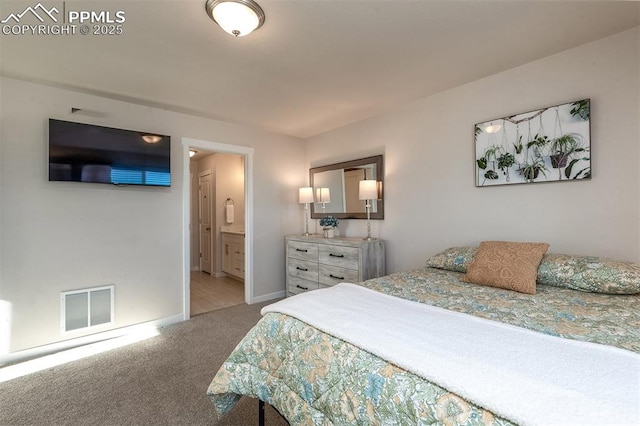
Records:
x=303, y=269
x=302, y=250
x=331, y=275
x=298, y=285
x=342, y=257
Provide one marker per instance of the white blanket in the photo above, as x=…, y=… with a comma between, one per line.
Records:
x=524, y=376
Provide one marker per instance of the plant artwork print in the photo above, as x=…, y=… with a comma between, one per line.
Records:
x=546, y=145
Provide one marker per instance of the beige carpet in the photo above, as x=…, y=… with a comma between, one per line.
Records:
x=160, y=381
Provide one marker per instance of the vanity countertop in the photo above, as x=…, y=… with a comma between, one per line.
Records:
x=232, y=229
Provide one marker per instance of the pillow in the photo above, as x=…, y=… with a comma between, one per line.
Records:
x=588, y=273
x=508, y=265
x=455, y=259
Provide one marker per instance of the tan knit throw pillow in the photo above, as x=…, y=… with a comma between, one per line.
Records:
x=508, y=265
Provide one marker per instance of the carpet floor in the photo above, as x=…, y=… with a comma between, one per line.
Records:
x=159, y=381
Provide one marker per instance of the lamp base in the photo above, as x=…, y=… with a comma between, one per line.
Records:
x=368, y=237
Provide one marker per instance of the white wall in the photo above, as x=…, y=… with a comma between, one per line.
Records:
x=61, y=236
x=431, y=199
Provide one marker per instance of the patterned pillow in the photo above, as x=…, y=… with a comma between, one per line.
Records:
x=455, y=259
x=508, y=265
x=588, y=273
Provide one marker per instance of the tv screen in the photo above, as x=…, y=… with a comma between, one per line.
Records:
x=88, y=153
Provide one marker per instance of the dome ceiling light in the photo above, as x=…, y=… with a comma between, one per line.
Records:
x=151, y=138
x=237, y=17
x=493, y=128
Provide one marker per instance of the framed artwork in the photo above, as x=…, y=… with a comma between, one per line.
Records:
x=546, y=145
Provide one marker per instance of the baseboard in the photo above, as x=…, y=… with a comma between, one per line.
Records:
x=195, y=268
x=270, y=296
x=85, y=340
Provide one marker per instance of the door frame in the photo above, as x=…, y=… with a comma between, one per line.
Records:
x=214, y=147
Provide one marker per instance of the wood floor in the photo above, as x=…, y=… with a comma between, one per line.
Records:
x=209, y=293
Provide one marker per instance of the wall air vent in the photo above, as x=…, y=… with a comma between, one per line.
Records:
x=86, y=308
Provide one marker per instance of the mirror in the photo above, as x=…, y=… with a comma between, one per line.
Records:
x=342, y=181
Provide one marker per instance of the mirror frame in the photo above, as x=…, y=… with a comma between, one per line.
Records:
x=377, y=160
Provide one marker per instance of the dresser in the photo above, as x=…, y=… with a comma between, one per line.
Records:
x=315, y=262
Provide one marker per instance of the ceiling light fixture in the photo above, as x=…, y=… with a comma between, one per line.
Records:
x=493, y=128
x=237, y=17
x=192, y=152
x=151, y=138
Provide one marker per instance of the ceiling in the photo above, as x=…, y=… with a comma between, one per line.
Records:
x=314, y=65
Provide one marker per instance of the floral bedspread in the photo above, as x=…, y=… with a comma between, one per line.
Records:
x=594, y=317
x=314, y=378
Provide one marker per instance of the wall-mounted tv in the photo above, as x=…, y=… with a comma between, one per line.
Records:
x=88, y=153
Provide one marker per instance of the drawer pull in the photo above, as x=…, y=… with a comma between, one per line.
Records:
x=303, y=288
x=301, y=269
x=337, y=278
x=336, y=255
x=302, y=250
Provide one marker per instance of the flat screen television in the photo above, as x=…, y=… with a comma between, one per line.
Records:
x=88, y=153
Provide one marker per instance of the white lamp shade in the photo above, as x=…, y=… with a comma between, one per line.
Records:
x=323, y=195
x=368, y=190
x=236, y=18
x=305, y=195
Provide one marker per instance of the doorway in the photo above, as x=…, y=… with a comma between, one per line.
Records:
x=226, y=175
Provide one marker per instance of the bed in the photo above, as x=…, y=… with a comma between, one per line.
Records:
x=322, y=375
